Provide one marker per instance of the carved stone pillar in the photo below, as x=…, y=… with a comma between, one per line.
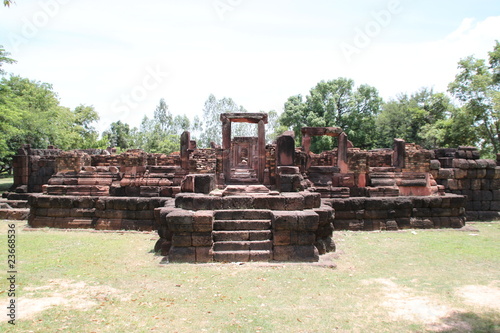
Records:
x=261, y=150
x=398, y=158
x=185, y=143
x=306, y=143
x=226, y=148
x=342, y=153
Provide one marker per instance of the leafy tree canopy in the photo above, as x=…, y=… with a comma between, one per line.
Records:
x=477, y=88
x=335, y=103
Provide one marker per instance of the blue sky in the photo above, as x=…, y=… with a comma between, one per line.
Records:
x=122, y=56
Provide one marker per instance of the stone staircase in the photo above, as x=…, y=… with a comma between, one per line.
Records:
x=242, y=236
x=14, y=206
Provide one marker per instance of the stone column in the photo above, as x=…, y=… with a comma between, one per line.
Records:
x=398, y=157
x=306, y=143
x=226, y=148
x=285, y=151
x=342, y=153
x=261, y=150
x=185, y=143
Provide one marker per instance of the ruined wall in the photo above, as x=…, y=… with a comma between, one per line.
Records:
x=203, y=161
x=90, y=212
x=398, y=213
x=33, y=168
x=461, y=171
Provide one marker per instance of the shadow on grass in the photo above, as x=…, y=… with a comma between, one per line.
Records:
x=469, y=322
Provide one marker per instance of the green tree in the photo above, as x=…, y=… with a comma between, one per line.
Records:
x=119, y=135
x=212, y=126
x=4, y=59
x=30, y=113
x=162, y=133
x=335, y=103
x=477, y=87
x=418, y=118
x=274, y=128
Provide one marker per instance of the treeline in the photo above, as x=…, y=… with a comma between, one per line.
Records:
x=30, y=113
x=430, y=119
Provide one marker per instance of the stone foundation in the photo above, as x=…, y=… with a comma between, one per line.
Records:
x=396, y=213
x=86, y=212
x=246, y=227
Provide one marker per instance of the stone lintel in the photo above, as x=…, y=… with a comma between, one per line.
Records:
x=242, y=117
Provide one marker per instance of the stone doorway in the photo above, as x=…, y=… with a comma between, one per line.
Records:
x=243, y=159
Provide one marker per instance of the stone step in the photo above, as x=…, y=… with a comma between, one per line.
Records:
x=239, y=214
x=382, y=191
x=242, y=256
x=333, y=192
x=15, y=203
x=266, y=245
x=16, y=214
x=245, y=189
x=244, y=235
x=382, y=169
x=243, y=181
x=15, y=196
x=232, y=225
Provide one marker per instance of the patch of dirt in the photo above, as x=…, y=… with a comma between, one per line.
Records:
x=67, y=293
x=403, y=305
x=487, y=296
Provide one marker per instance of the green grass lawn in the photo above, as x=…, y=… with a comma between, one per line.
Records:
x=6, y=183
x=411, y=281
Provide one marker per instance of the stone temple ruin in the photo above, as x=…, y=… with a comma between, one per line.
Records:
x=252, y=201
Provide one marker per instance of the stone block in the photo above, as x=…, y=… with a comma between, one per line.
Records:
x=308, y=220
x=486, y=184
x=41, y=222
x=182, y=239
x=201, y=239
x=203, y=221
x=203, y=254
x=182, y=254
x=457, y=222
x=475, y=184
x=375, y=214
x=495, y=205
x=236, y=202
x=355, y=225
x=203, y=203
x=445, y=174
x=496, y=195
x=435, y=164
x=302, y=238
x=418, y=223
x=307, y=253
x=402, y=213
x=326, y=215
x=281, y=237
x=293, y=201
x=83, y=212
x=59, y=212
x=345, y=215
x=273, y=203
x=285, y=220
x=403, y=222
x=311, y=200
x=421, y=212
x=460, y=163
